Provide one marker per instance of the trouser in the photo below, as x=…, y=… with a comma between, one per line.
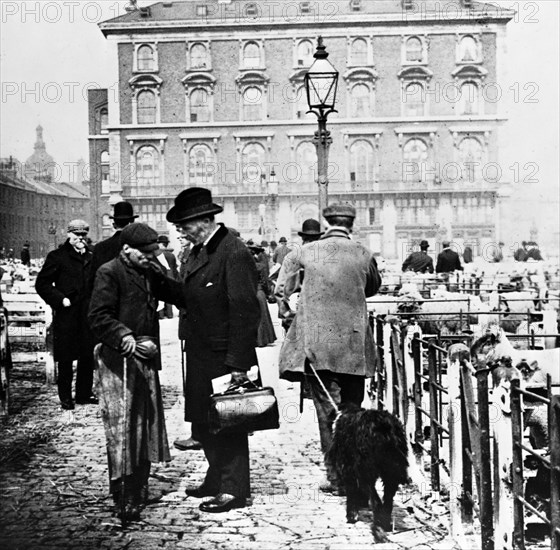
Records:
x=228, y=461
x=344, y=389
x=84, y=379
x=166, y=312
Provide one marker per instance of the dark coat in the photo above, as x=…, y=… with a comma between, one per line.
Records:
x=419, y=262
x=103, y=252
x=448, y=260
x=25, y=256
x=221, y=317
x=64, y=275
x=172, y=262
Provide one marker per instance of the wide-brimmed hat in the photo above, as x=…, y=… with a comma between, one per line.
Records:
x=79, y=227
x=123, y=211
x=283, y=240
x=339, y=209
x=424, y=244
x=192, y=203
x=140, y=236
x=310, y=228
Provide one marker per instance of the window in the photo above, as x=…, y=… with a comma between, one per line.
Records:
x=103, y=120
x=468, y=103
x=414, y=99
x=252, y=103
x=251, y=56
x=415, y=158
x=253, y=158
x=146, y=58
x=355, y=5
x=414, y=50
x=200, y=159
x=372, y=215
x=105, y=173
x=361, y=104
x=200, y=111
x=251, y=10
x=306, y=161
x=362, y=162
x=199, y=57
x=106, y=220
x=359, y=52
x=201, y=10
x=304, y=53
x=147, y=167
x=146, y=107
x=470, y=153
x=468, y=50
x=305, y=7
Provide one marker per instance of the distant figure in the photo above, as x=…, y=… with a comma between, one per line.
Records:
x=520, y=255
x=468, y=255
x=166, y=258
x=448, y=260
x=25, y=256
x=533, y=252
x=280, y=252
x=498, y=253
x=419, y=262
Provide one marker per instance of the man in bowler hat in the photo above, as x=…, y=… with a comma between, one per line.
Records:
x=448, y=260
x=123, y=214
x=222, y=314
x=419, y=261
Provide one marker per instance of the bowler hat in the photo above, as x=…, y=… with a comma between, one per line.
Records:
x=123, y=211
x=140, y=236
x=339, y=209
x=424, y=244
x=163, y=239
x=79, y=227
x=283, y=240
x=192, y=203
x=310, y=227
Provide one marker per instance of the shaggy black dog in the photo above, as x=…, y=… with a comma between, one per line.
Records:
x=368, y=445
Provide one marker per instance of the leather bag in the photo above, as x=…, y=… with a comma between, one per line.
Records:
x=245, y=408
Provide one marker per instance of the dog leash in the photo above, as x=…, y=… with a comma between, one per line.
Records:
x=323, y=387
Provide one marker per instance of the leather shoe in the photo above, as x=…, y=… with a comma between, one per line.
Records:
x=201, y=491
x=67, y=404
x=189, y=444
x=91, y=400
x=223, y=503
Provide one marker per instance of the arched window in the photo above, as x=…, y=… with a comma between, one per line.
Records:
x=252, y=103
x=305, y=53
x=251, y=56
x=469, y=99
x=414, y=99
x=104, y=157
x=200, y=111
x=358, y=52
x=200, y=159
x=361, y=104
x=253, y=157
x=146, y=101
x=146, y=58
x=414, y=50
x=103, y=120
x=362, y=162
x=470, y=152
x=106, y=220
x=306, y=160
x=415, y=158
x=147, y=166
x=468, y=50
x=199, y=57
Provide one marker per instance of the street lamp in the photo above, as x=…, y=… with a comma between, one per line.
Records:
x=320, y=85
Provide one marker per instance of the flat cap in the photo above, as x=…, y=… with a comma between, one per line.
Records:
x=80, y=227
x=140, y=236
x=339, y=209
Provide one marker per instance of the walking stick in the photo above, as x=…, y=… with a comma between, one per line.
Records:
x=123, y=442
x=183, y=367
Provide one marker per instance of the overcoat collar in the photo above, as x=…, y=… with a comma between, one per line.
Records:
x=196, y=261
x=336, y=232
x=84, y=258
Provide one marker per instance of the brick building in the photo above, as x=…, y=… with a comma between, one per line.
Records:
x=210, y=92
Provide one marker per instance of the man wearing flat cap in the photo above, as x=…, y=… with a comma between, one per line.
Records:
x=62, y=284
x=330, y=337
x=123, y=316
x=419, y=261
x=221, y=318
x=123, y=214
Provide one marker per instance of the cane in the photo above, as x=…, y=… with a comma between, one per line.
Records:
x=183, y=367
x=123, y=442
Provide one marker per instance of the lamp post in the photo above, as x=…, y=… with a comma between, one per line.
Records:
x=320, y=85
x=270, y=201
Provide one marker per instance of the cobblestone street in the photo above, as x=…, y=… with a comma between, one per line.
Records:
x=54, y=481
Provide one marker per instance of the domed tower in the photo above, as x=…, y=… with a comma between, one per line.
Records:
x=40, y=165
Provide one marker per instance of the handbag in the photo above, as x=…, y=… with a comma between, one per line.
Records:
x=242, y=409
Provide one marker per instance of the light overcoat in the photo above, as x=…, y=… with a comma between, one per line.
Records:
x=331, y=326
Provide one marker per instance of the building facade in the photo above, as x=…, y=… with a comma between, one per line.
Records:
x=211, y=93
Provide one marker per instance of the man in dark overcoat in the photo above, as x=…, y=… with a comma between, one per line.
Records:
x=62, y=284
x=221, y=318
x=448, y=260
x=166, y=258
x=122, y=313
x=104, y=251
x=419, y=261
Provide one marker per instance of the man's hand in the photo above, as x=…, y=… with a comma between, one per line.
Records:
x=128, y=345
x=66, y=302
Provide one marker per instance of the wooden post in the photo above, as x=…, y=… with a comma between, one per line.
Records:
x=517, y=466
x=397, y=386
x=485, y=494
x=387, y=361
x=434, y=416
x=418, y=431
x=554, y=430
x=381, y=364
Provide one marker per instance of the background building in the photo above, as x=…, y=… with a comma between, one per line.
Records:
x=210, y=93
